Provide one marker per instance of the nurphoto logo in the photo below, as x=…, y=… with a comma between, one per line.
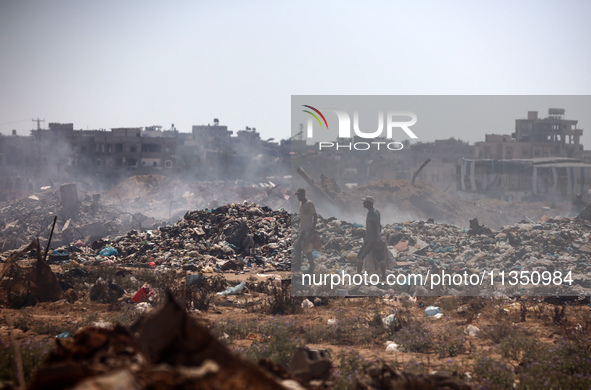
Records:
x=392, y=119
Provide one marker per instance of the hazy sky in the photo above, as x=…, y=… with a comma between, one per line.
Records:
x=103, y=64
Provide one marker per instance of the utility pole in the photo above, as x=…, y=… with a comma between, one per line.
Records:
x=38, y=122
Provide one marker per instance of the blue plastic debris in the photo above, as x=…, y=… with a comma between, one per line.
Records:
x=109, y=251
x=432, y=310
x=64, y=335
x=233, y=290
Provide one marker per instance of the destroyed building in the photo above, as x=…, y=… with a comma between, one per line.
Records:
x=541, y=160
x=535, y=137
x=105, y=157
x=549, y=179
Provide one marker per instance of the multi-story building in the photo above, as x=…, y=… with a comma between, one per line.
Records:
x=542, y=159
x=534, y=137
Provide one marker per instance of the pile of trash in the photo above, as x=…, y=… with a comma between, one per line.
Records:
x=230, y=237
x=241, y=237
x=80, y=216
x=419, y=247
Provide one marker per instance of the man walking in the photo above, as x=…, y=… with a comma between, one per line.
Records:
x=307, y=233
x=373, y=246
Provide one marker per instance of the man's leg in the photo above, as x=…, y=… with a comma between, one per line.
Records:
x=296, y=265
x=383, y=269
x=361, y=257
x=310, y=257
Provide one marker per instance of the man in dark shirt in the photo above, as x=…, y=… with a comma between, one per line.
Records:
x=372, y=244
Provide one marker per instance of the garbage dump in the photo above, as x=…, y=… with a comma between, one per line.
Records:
x=245, y=237
x=241, y=237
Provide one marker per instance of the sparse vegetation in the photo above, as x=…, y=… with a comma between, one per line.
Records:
x=451, y=342
x=507, y=351
x=416, y=337
x=32, y=352
x=491, y=373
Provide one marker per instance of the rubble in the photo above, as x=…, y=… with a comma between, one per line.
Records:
x=419, y=247
x=200, y=242
x=399, y=200
x=85, y=220
x=245, y=237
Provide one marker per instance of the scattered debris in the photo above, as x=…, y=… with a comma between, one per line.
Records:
x=165, y=349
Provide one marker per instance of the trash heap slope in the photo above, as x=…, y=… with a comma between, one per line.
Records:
x=205, y=240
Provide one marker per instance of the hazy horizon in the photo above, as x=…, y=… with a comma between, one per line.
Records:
x=135, y=64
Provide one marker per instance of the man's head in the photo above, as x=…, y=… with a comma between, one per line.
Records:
x=367, y=202
x=301, y=194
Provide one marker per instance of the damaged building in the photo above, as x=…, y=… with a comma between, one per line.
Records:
x=542, y=160
x=106, y=155
x=543, y=179
x=534, y=137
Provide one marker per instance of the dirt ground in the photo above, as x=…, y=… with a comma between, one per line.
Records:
x=245, y=323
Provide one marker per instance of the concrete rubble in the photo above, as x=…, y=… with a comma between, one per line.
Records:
x=80, y=216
